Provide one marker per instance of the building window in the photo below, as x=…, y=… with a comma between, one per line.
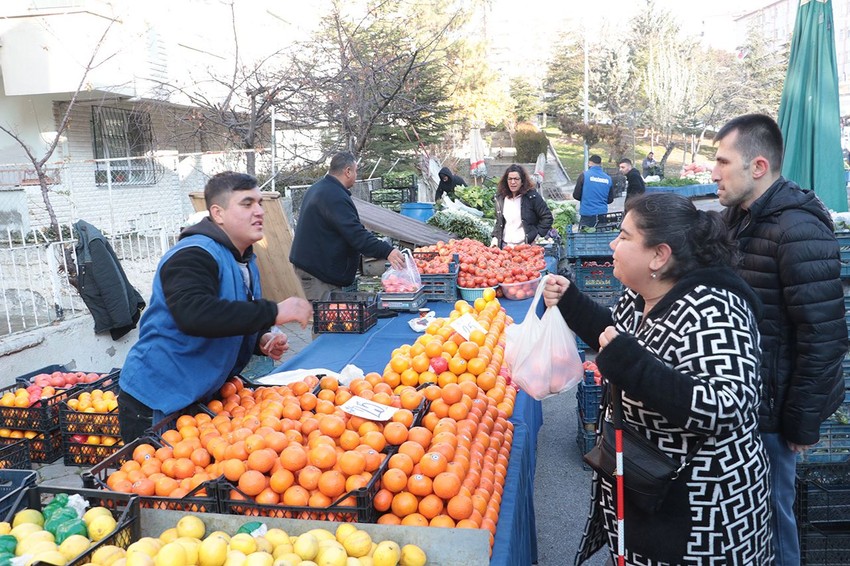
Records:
x=124, y=138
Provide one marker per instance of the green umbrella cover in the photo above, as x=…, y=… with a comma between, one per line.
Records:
x=808, y=110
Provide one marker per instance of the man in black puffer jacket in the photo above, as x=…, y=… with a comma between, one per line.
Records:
x=791, y=259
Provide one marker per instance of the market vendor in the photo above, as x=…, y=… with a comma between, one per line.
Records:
x=206, y=315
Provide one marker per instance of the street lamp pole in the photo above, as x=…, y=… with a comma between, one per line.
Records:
x=586, y=80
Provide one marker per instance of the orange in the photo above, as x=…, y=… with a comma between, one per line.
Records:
x=420, y=363
x=332, y=426
x=412, y=449
x=399, y=363
x=143, y=452
x=183, y=468
x=457, y=365
x=262, y=460
x=352, y=462
x=308, y=477
x=404, y=503
x=394, y=480
x=395, y=433
x=446, y=485
x=476, y=366
x=383, y=499
x=403, y=416
x=388, y=519
x=420, y=435
x=293, y=457
x=322, y=456
x=419, y=484
x=430, y=506
x=443, y=521
x=459, y=507
x=233, y=469
x=414, y=520
x=477, y=337
x=296, y=496
x=401, y=461
x=452, y=393
x=433, y=463
x=144, y=486
x=332, y=483
x=467, y=350
x=433, y=348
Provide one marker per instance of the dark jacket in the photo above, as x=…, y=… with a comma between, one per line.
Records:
x=636, y=185
x=448, y=184
x=791, y=260
x=535, y=214
x=329, y=237
x=112, y=300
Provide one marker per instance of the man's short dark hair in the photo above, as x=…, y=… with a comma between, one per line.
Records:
x=758, y=134
x=595, y=159
x=220, y=185
x=626, y=160
x=342, y=160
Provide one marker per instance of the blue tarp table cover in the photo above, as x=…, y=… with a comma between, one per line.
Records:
x=516, y=534
x=687, y=190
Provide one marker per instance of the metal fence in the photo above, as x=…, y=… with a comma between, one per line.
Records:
x=38, y=281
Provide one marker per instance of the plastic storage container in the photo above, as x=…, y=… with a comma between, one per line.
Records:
x=420, y=211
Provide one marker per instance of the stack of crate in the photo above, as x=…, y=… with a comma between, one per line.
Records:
x=822, y=506
x=588, y=400
x=592, y=264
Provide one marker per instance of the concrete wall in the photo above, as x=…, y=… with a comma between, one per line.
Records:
x=71, y=343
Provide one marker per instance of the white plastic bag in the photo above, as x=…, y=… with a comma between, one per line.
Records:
x=541, y=352
x=405, y=280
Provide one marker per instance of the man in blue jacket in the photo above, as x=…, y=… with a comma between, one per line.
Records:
x=329, y=237
x=595, y=190
x=206, y=315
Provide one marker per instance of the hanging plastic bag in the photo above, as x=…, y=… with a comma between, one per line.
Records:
x=541, y=352
x=405, y=280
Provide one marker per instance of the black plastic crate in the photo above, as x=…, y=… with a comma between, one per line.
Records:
x=591, y=276
x=591, y=244
x=823, y=495
x=44, y=448
x=585, y=439
x=588, y=397
x=824, y=546
x=345, y=313
x=441, y=286
x=833, y=446
x=12, y=482
x=106, y=377
x=41, y=416
x=15, y=455
x=234, y=502
x=202, y=499
x=84, y=454
x=78, y=422
x=124, y=507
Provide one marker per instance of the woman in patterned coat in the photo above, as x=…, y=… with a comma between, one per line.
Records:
x=682, y=346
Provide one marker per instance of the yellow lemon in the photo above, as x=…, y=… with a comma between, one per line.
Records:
x=73, y=546
x=25, y=543
x=40, y=546
x=191, y=526
x=244, y=543
x=263, y=545
x=172, y=554
x=139, y=559
x=5, y=528
x=145, y=545
x=28, y=516
x=23, y=530
x=212, y=552
x=322, y=534
x=235, y=558
x=50, y=557
x=281, y=549
x=101, y=526
x=259, y=559
x=290, y=559
x=106, y=555
x=412, y=555
x=190, y=545
x=95, y=512
x=220, y=534
x=331, y=555
x=306, y=546
x=358, y=543
x=276, y=537
x=387, y=553
x=168, y=535
x=343, y=530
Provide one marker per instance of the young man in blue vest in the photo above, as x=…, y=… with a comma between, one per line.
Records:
x=206, y=315
x=595, y=190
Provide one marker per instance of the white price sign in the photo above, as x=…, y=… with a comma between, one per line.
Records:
x=465, y=324
x=367, y=409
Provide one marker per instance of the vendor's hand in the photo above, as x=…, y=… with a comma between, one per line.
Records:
x=556, y=286
x=294, y=309
x=274, y=344
x=607, y=335
x=396, y=259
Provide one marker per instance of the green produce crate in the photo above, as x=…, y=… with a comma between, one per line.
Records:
x=124, y=507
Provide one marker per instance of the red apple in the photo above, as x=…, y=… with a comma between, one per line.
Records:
x=439, y=364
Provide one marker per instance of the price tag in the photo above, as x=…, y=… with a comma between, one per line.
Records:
x=367, y=409
x=465, y=324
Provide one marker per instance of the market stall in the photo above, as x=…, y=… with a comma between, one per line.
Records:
x=516, y=536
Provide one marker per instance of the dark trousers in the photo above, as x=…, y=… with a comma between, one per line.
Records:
x=134, y=417
x=591, y=220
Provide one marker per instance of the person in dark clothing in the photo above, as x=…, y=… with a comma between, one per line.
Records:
x=448, y=182
x=649, y=165
x=521, y=213
x=634, y=182
x=791, y=259
x=206, y=315
x=595, y=191
x=329, y=238
x=113, y=302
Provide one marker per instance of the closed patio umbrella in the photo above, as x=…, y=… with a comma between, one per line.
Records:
x=808, y=110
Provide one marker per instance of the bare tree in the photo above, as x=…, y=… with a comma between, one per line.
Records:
x=40, y=163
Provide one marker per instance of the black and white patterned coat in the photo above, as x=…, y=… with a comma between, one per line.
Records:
x=688, y=370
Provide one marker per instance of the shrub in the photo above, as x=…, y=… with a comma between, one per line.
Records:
x=529, y=145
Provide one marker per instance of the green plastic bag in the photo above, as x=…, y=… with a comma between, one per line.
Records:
x=71, y=527
x=8, y=543
x=60, y=516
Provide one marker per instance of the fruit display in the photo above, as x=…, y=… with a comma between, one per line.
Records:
x=61, y=532
x=520, y=291
x=254, y=544
x=345, y=312
x=66, y=379
x=483, y=266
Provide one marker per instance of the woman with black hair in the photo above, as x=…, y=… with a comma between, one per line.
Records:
x=682, y=348
x=521, y=213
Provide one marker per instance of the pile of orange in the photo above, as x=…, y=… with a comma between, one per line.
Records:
x=477, y=359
